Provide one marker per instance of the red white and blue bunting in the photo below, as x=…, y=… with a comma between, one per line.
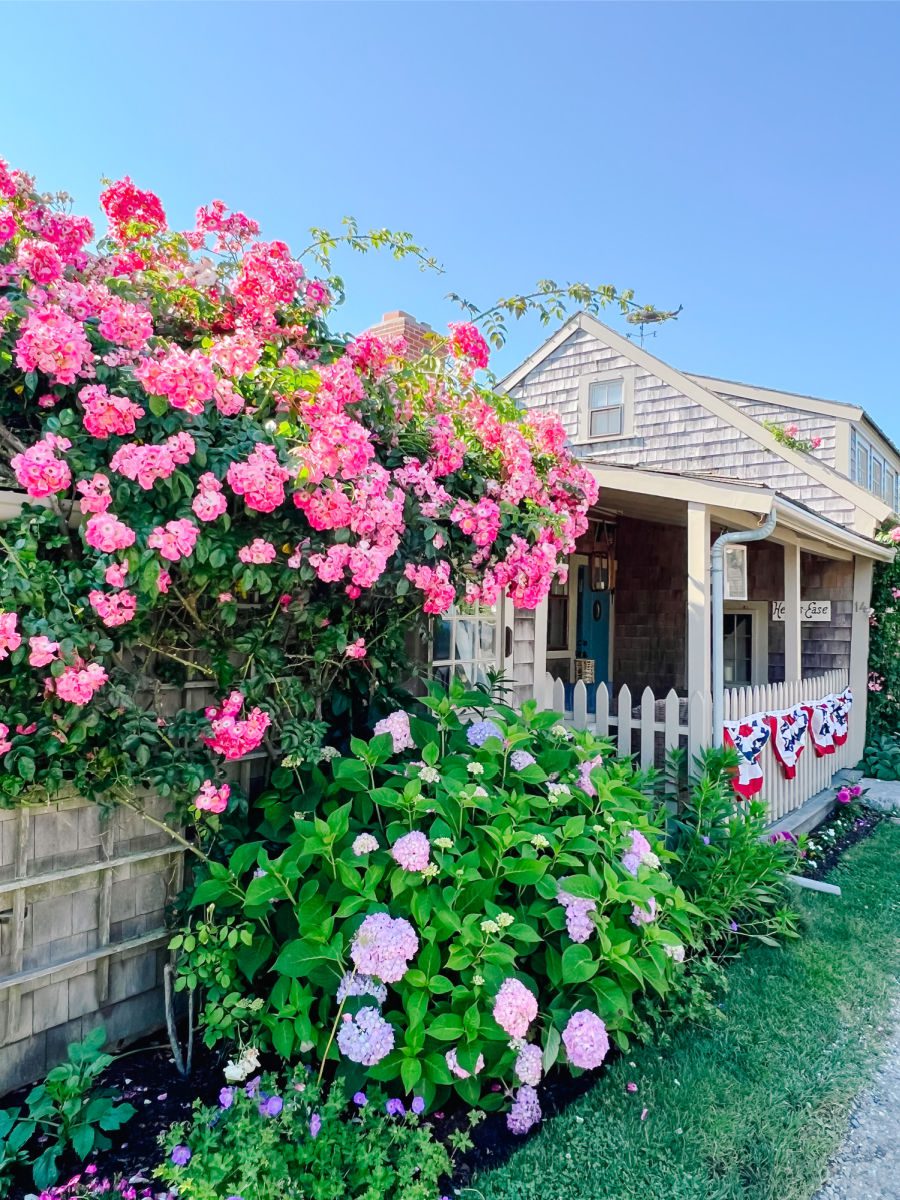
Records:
x=825, y=721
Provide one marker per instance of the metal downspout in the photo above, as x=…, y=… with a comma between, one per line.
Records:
x=717, y=583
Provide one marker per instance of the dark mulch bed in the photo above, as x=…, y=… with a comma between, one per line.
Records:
x=146, y=1075
x=846, y=831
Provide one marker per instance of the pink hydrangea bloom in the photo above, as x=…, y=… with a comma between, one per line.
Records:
x=258, y=551
x=638, y=853
x=412, y=851
x=461, y=1072
x=514, y=1008
x=525, y=1112
x=529, y=1064
x=39, y=471
x=585, y=1039
x=77, y=684
x=106, y=533
x=365, y=1038
x=260, y=480
x=383, y=946
x=113, y=608
x=174, y=540
x=105, y=414
x=584, y=774
x=643, y=916
x=42, y=650
x=10, y=638
x=397, y=725
x=578, y=921
x=364, y=843
x=211, y=798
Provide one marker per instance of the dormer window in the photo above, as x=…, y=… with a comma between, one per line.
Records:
x=606, y=408
x=607, y=405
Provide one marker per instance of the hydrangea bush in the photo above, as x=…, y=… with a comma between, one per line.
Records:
x=222, y=490
x=468, y=898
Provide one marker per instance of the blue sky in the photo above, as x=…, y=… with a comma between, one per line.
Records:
x=741, y=160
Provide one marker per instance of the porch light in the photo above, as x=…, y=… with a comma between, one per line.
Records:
x=603, y=561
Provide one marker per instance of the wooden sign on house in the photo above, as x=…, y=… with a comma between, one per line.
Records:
x=810, y=610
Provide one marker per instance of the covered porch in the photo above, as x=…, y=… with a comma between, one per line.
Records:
x=627, y=641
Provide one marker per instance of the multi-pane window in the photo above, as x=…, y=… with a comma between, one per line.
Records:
x=606, y=407
x=466, y=643
x=871, y=470
x=738, y=649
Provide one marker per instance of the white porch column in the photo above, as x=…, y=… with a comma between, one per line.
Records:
x=698, y=604
x=793, y=636
x=859, y=655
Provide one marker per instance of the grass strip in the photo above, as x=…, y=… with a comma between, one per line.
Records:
x=752, y=1108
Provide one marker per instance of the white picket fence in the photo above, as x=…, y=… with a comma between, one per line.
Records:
x=651, y=727
x=656, y=725
x=813, y=773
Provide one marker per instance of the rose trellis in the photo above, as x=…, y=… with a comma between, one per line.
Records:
x=219, y=488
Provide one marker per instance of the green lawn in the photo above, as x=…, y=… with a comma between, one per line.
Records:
x=751, y=1108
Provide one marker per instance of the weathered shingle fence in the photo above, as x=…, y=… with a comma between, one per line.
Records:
x=82, y=927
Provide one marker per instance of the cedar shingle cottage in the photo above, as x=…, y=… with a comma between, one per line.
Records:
x=680, y=459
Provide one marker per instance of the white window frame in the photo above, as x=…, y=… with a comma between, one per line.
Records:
x=759, y=638
x=496, y=661
x=625, y=376
x=888, y=467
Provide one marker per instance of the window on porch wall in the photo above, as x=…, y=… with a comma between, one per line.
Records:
x=466, y=643
x=738, y=649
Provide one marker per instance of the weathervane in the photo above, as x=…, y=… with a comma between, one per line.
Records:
x=642, y=317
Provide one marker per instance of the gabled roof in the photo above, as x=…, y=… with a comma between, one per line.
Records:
x=707, y=398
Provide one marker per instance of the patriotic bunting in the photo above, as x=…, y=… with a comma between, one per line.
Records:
x=789, y=736
x=826, y=721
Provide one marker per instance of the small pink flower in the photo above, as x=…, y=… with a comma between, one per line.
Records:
x=258, y=551
x=43, y=651
x=630, y=1087
x=356, y=649
x=212, y=799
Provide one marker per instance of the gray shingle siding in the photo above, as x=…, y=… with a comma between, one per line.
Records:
x=673, y=432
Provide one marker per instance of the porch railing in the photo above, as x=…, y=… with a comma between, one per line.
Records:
x=649, y=727
x=782, y=795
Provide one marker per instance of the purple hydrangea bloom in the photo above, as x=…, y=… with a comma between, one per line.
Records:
x=226, y=1097
x=394, y=1108
x=525, y=1111
x=315, y=1125
x=412, y=851
x=479, y=732
x=354, y=984
x=520, y=759
x=383, y=946
x=270, y=1106
x=181, y=1156
x=366, y=1037
x=418, y=1104
x=585, y=1040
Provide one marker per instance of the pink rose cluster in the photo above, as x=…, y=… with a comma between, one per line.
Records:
x=39, y=470
x=211, y=798
x=231, y=736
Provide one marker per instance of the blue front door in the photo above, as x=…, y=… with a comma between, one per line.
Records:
x=592, y=630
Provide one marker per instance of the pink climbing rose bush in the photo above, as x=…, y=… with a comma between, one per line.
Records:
x=185, y=427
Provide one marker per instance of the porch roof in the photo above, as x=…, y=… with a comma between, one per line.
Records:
x=664, y=496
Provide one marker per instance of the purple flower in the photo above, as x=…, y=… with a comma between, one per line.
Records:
x=226, y=1097
x=181, y=1156
x=418, y=1104
x=394, y=1108
x=705, y=840
x=520, y=759
x=252, y=1087
x=360, y=1099
x=315, y=1125
x=733, y=926
x=366, y=1037
x=479, y=732
x=843, y=796
x=271, y=1106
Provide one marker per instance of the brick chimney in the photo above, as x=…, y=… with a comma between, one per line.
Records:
x=401, y=323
